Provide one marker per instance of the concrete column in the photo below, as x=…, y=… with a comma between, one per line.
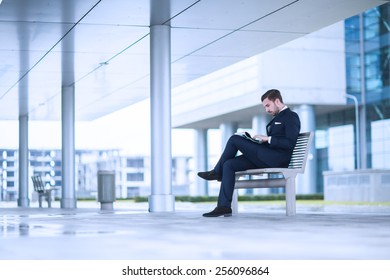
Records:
x=307, y=182
x=201, y=161
x=180, y=166
x=161, y=198
x=259, y=126
x=227, y=130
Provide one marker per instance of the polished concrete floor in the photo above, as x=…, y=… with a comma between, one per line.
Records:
x=319, y=231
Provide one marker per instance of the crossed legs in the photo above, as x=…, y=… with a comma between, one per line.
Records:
x=229, y=163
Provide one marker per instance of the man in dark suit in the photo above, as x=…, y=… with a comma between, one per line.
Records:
x=273, y=150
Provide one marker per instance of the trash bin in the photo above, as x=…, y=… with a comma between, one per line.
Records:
x=106, y=189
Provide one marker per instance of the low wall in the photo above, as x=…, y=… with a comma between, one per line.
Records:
x=368, y=185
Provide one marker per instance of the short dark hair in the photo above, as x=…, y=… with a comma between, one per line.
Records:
x=272, y=95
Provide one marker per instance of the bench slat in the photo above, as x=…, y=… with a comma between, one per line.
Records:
x=260, y=183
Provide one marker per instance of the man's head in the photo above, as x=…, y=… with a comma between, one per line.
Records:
x=272, y=101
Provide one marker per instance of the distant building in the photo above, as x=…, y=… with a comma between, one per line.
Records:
x=132, y=174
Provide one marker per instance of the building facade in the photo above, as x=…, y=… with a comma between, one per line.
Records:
x=345, y=141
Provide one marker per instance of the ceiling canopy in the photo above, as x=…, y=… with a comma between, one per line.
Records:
x=110, y=45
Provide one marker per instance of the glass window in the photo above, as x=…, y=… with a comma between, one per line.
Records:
x=321, y=139
x=7, y=154
x=352, y=29
x=380, y=138
x=135, y=162
x=135, y=177
x=341, y=148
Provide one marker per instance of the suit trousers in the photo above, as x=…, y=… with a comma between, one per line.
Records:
x=230, y=162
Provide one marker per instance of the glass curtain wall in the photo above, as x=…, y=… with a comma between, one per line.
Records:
x=374, y=91
x=367, y=45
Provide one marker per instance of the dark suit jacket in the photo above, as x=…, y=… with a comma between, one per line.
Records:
x=284, y=130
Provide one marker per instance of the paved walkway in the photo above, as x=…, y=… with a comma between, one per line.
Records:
x=260, y=231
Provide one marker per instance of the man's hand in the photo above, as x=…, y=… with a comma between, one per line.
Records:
x=262, y=138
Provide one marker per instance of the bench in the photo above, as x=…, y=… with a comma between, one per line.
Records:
x=42, y=191
x=277, y=177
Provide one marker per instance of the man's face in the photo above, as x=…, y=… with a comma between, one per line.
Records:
x=271, y=106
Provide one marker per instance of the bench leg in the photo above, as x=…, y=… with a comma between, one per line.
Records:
x=48, y=199
x=235, y=202
x=290, y=196
x=40, y=200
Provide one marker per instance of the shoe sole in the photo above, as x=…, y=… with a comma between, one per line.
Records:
x=216, y=216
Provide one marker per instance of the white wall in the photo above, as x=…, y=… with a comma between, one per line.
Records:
x=309, y=70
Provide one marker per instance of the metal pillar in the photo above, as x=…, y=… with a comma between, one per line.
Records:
x=201, y=159
x=361, y=130
x=307, y=182
x=23, y=199
x=68, y=199
x=161, y=198
x=357, y=129
x=364, y=151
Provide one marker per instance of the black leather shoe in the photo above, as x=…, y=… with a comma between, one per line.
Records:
x=219, y=211
x=209, y=175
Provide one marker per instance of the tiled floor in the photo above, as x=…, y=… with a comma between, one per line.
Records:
x=260, y=231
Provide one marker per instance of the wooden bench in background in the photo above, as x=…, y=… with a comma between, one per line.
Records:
x=277, y=177
x=42, y=191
